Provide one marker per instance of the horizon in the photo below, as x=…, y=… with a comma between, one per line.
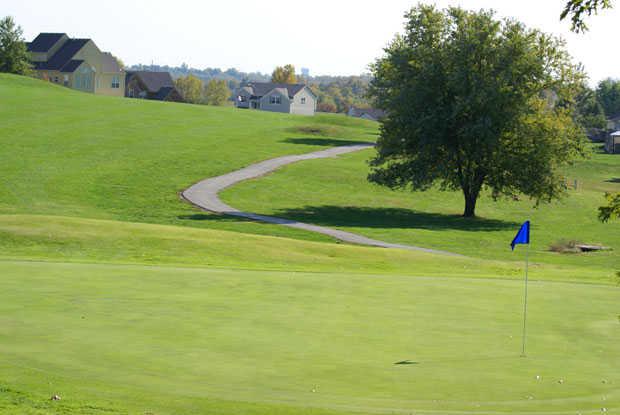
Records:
x=239, y=42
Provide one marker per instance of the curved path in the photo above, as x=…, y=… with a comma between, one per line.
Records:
x=204, y=195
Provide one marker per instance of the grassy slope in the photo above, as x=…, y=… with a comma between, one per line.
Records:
x=118, y=339
x=341, y=197
x=74, y=154
x=167, y=338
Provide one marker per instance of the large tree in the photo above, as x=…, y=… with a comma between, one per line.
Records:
x=474, y=102
x=577, y=10
x=190, y=88
x=13, y=53
x=284, y=75
x=608, y=94
x=216, y=92
x=611, y=209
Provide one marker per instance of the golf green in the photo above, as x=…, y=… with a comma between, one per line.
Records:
x=139, y=339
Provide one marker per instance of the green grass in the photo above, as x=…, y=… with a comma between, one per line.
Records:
x=123, y=299
x=336, y=193
x=162, y=340
x=74, y=154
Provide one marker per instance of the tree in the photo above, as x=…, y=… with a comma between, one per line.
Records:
x=466, y=97
x=284, y=75
x=216, y=92
x=589, y=111
x=608, y=94
x=190, y=88
x=14, y=56
x=578, y=9
x=612, y=209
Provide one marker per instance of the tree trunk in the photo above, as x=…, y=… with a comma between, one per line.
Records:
x=470, y=204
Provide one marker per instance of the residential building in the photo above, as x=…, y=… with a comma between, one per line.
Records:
x=373, y=114
x=268, y=96
x=151, y=85
x=612, y=143
x=77, y=64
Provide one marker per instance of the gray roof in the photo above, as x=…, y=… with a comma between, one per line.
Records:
x=44, y=42
x=153, y=81
x=260, y=89
x=62, y=60
x=375, y=113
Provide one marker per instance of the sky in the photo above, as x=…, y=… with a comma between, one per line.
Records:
x=330, y=37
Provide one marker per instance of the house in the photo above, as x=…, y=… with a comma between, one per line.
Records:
x=268, y=96
x=76, y=63
x=612, y=143
x=373, y=114
x=151, y=85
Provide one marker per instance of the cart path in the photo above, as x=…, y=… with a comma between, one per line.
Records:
x=204, y=195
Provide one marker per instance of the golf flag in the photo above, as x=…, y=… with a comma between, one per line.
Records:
x=523, y=236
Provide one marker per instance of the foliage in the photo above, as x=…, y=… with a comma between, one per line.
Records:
x=341, y=93
x=284, y=75
x=611, y=209
x=608, y=94
x=589, y=112
x=578, y=9
x=14, y=56
x=466, y=97
x=216, y=92
x=190, y=88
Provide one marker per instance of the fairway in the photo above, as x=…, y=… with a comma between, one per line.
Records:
x=111, y=339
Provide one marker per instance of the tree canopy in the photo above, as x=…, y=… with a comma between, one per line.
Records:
x=284, y=75
x=474, y=102
x=216, y=92
x=190, y=88
x=608, y=94
x=577, y=10
x=14, y=56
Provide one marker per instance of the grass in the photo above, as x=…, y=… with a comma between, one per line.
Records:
x=123, y=299
x=74, y=154
x=137, y=339
x=336, y=193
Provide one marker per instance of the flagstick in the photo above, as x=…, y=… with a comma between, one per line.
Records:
x=527, y=251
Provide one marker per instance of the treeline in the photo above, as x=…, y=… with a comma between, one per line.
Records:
x=595, y=106
x=335, y=93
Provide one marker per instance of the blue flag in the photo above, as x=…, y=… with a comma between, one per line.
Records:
x=523, y=236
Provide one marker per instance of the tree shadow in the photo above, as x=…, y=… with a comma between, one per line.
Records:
x=370, y=217
x=327, y=142
x=613, y=180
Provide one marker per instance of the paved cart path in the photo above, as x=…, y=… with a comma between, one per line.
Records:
x=204, y=194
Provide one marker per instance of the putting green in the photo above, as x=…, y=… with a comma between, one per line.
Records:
x=139, y=339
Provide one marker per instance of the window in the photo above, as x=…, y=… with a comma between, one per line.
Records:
x=243, y=98
x=66, y=80
x=303, y=100
x=275, y=99
x=56, y=79
x=115, y=82
x=78, y=81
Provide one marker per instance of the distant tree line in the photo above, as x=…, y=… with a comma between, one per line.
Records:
x=335, y=93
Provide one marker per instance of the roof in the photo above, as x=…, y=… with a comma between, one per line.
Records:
x=616, y=134
x=44, y=42
x=63, y=56
x=109, y=63
x=72, y=65
x=153, y=81
x=260, y=89
x=375, y=113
